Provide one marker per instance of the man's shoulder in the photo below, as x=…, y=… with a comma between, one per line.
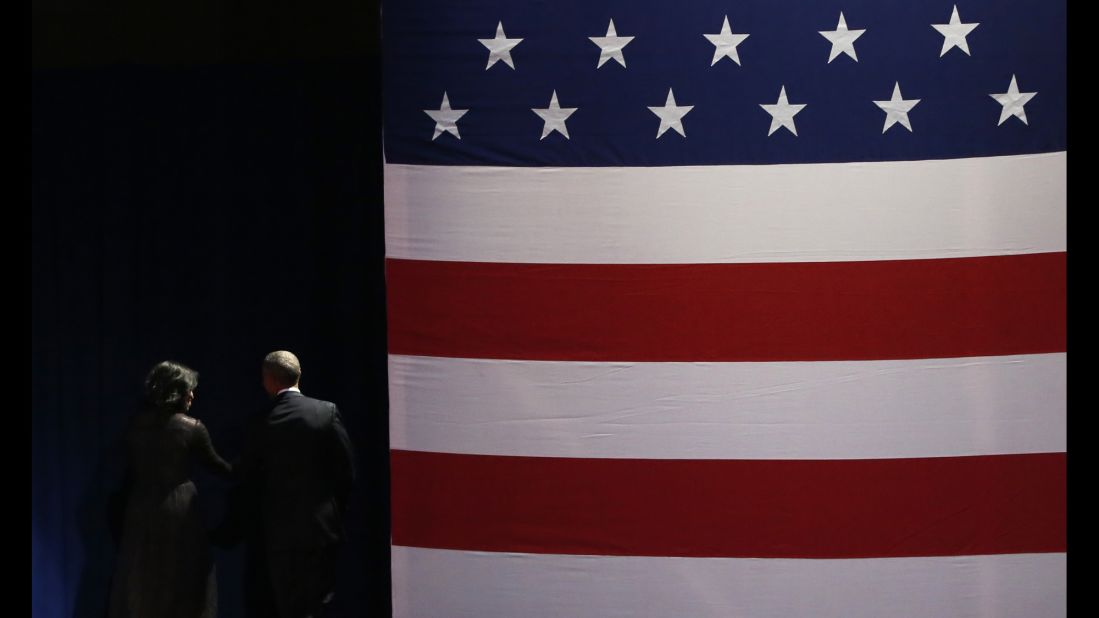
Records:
x=326, y=410
x=313, y=401
x=313, y=408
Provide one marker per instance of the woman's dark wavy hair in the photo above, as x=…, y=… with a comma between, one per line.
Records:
x=167, y=386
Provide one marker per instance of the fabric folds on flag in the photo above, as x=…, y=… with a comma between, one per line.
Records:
x=748, y=309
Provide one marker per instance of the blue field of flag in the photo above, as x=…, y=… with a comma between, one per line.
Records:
x=846, y=83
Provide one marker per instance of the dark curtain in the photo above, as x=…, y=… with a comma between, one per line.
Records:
x=207, y=212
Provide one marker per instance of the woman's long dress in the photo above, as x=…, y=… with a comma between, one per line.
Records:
x=165, y=567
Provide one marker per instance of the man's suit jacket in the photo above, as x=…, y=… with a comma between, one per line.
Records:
x=303, y=464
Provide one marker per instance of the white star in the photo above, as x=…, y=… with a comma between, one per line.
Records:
x=896, y=109
x=671, y=115
x=782, y=113
x=1013, y=102
x=555, y=116
x=446, y=119
x=842, y=39
x=725, y=43
x=610, y=46
x=954, y=33
x=499, y=48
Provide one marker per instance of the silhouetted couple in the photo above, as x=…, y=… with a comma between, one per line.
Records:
x=294, y=478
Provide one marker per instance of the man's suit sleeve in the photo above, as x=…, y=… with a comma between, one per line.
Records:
x=342, y=458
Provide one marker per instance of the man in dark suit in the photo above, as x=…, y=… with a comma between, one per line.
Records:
x=301, y=461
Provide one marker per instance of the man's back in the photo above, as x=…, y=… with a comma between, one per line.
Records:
x=307, y=471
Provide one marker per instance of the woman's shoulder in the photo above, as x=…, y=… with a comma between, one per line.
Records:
x=186, y=422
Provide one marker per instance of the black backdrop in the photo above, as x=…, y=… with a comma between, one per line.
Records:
x=206, y=187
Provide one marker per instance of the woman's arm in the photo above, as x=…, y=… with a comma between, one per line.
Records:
x=203, y=447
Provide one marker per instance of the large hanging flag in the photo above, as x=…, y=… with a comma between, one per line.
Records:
x=752, y=308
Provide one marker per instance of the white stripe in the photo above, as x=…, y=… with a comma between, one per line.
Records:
x=455, y=584
x=710, y=214
x=776, y=410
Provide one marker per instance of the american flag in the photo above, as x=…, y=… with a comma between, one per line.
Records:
x=748, y=308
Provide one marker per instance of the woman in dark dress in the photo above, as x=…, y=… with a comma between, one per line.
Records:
x=165, y=568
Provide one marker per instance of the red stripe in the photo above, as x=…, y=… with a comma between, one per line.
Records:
x=731, y=508
x=729, y=312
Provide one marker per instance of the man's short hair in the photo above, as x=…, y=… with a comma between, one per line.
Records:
x=283, y=366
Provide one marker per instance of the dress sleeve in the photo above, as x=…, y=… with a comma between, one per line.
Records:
x=203, y=448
